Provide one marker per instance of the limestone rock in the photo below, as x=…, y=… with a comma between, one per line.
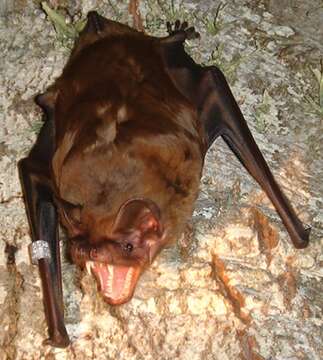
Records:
x=233, y=287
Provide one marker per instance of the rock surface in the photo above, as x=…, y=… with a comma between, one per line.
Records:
x=233, y=287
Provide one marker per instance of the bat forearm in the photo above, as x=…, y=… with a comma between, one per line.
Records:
x=58, y=336
x=43, y=222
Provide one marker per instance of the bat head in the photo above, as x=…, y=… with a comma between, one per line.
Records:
x=117, y=261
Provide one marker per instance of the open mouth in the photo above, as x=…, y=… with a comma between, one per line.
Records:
x=116, y=283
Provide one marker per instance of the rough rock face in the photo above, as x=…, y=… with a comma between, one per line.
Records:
x=233, y=287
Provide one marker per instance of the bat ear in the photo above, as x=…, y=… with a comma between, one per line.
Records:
x=95, y=23
x=142, y=215
x=71, y=215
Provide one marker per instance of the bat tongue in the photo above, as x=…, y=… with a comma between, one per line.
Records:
x=116, y=283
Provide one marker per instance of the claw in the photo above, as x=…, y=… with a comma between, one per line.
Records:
x=169, y=27
x=184, y=25
x=180, y=31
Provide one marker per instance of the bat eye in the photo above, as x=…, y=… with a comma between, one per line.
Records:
x=129, y=247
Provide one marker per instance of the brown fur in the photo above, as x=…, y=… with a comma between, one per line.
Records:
x=118, y=137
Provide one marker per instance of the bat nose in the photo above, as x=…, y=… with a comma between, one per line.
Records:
x=79, y=251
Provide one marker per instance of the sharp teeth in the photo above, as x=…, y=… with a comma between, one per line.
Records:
x=101, y=282
x=111, y=270
x=127, y=282
x=109, y=283
x=89, y=265
x=129, y=275
x=110, y=279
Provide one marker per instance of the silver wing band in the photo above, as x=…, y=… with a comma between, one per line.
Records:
x=39, y=250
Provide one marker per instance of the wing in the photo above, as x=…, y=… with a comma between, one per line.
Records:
x=37, y=185
x=219, y=113
x=39, y=191
x=39, y=200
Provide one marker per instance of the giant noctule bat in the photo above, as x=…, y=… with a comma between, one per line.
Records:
x=119, y=157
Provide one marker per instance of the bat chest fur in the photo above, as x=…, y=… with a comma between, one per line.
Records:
x=101, y=181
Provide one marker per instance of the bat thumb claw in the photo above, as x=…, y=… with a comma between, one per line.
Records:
x=301, y=240
x=58, y=340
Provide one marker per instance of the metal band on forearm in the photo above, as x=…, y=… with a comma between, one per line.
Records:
x=39, y=250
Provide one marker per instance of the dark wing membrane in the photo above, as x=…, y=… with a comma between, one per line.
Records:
x=219, y=114
x=39, y=200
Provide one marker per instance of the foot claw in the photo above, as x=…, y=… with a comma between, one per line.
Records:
x=182, y=28
x=169, y=27
x=184, y=25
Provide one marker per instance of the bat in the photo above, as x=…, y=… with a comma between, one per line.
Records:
x=119, y=158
